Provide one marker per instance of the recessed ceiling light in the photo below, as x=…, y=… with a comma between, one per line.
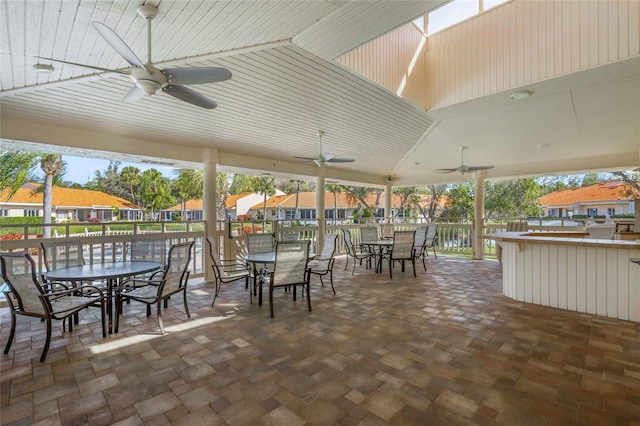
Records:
x=43, y=68
x=519, y=95
x=543, y=145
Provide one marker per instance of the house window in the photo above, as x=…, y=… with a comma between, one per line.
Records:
x=30, y=212
x=307, y=214
x=592, y=212
x=611, y=211
x=4, y=212
x=289, y=214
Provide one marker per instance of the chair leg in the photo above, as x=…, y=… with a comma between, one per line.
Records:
x=346, y=264
x=413, y=263
x=331, y=279
x=186, y=307
x=270, y=298
x=12, y=333
x=45, y=350
x=434, y=252
x=160, y=323
x=308, y=293
x=118, y=313
x=104, y=322
x=321, y=282
x=390, y=267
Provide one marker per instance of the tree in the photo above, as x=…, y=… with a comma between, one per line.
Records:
x=334, y=189
x=358, y=195
x=461, y=203
x=109, y=182
x=512, y=198
x=155, y=191
x=408, y=195
x=435, y=192
x=242, y=183
x=591, y=179
x=222, y=188
x=188, y=185
x=265, y=186
x=16, y=168
x=130, y=176
x=630, y=179
x=52, y=166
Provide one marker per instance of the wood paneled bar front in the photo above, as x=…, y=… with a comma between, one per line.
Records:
x=572, y=272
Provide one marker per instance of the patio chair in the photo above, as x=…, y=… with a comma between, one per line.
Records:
x=151, y=248
x=52, y=301
x=431, y=240
x=62, y=254
x=259, y=243
x=289, y=236
x=369, y=233
x=358, y=256
x=323, y=264
x=290, y=269
x=226, y=270
x=174, y=280
x=511, y=227
x=402, y=250
x=419, y=244
x=386, y=230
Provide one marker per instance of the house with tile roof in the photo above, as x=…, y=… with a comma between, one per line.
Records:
x=337, y=205
x=69, y=204
x=602, y=199
x=236, y=205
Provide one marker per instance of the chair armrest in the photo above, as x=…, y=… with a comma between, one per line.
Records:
x=134, y=280
x=86, y=289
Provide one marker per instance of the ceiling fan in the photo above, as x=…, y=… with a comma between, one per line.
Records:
x=463, y=168
x=325, y=159
x=147, y=78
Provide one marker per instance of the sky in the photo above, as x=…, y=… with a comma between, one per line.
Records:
x=82, y=169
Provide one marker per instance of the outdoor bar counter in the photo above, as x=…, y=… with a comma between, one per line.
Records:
x=570, y=271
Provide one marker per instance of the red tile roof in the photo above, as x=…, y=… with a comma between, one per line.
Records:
x=67, y=197
x=607, y=191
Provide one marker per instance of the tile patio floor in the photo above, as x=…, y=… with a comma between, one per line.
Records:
x=445, y=348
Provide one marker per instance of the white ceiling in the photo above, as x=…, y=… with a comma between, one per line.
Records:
x=286, y=85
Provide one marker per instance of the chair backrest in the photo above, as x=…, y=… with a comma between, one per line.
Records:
x=19, y=272
x=259, y=243
x=348, y=243
x=289, y=236
x=432, y=233
x=369, y=233
x=290, y=266
x=213, y=254
x=177, y=271
x=421, y=236
x=62, y=254
x=329, y=248
x=402, y=244
x=149, y=248
x=517, y=226
x=386, y=230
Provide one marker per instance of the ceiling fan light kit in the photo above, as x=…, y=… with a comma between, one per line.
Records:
x=43, y=68
x=147, y=78
x=519, y=95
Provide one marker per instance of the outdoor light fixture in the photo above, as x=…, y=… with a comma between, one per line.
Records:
x=519, y=95
x=43, y=68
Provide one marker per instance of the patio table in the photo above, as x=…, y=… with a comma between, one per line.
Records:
x=378, y=246
x=109, y=271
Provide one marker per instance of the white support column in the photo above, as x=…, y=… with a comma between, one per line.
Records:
x=210, y=160
x=478, y=215
x=388, y=194
x=320, y=194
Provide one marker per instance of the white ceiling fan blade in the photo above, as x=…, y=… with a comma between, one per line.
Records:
x=117, y=44
x=476, y=168
x=341, y=160
x=196, y=75
x=188, y=95
x=85, y=65
x=305, y=158
x=327, y=157
x=447, y=170
x=134, y=94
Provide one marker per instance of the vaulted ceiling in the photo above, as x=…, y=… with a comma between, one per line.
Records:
x=286, y=86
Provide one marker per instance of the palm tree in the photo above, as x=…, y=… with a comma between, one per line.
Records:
x=52, y=166
x=16, y=168
x=130, y=176
x=156, y=192
x=188, y=185
x=266, y=186
x=334, y=189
